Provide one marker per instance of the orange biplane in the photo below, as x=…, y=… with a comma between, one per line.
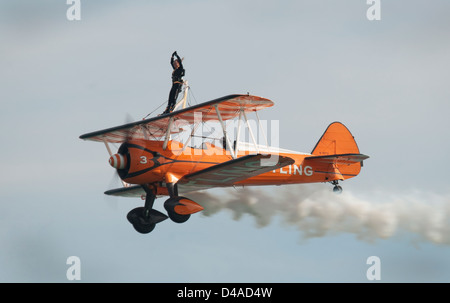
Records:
x=151, y=163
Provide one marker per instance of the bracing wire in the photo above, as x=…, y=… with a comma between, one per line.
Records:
x=191, y=93
x=154, y=110
x=189, y=103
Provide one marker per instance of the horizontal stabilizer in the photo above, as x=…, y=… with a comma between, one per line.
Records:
x=337, y=167
x=230, y=172
x=339, y=159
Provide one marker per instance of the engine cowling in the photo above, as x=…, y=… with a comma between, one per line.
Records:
x=137, y=164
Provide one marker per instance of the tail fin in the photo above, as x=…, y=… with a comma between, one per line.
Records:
x=337, y=154
x=336, y=139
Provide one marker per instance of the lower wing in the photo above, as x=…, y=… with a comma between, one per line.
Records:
x=220, y=175
x=230, y=172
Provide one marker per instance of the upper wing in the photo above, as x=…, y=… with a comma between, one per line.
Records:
x=157, y=127
x=230, y=172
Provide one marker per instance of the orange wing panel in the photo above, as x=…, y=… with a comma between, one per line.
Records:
x=154, y=128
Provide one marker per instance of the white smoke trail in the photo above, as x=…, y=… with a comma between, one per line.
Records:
x=318, y=212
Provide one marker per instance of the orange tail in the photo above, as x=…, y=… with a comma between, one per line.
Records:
x=337, y=139
x=338, y=149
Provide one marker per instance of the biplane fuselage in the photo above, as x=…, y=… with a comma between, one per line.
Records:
x=152, y=163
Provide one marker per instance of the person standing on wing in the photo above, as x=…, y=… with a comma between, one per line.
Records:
x=177, y=81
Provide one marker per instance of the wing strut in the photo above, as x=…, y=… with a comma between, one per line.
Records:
x=225, y=132
x=183, y=100
x=107, y=148
x=236, y=148
x=169, y=126
x=144, y=132
x=262, y=130
x=251, y=132
x=194, y=129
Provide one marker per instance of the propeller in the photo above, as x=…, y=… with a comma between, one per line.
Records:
x=118, y=161
x=112, y=201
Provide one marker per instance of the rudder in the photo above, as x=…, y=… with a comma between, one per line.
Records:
x=336, y=139
x=336, y=154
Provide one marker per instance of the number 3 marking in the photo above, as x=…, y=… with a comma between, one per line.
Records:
x=143, y=160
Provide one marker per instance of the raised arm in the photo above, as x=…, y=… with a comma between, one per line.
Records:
x=178, y=58
x=171, y=59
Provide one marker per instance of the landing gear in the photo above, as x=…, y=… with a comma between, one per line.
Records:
x=173, y=202
x=144, y=219
x=170, y=205
x=141, y=223
x=179, y=209
x=337, y=188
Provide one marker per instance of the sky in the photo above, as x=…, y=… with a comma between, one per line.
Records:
x=319, y=61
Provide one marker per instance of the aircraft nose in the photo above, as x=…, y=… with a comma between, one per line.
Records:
x=118, y=161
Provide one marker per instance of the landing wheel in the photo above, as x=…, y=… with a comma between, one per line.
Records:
x=170, y=205
x=177, y=218
x=140, y=221
x=179, y=209
x=145, y=218
x=337, y=189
